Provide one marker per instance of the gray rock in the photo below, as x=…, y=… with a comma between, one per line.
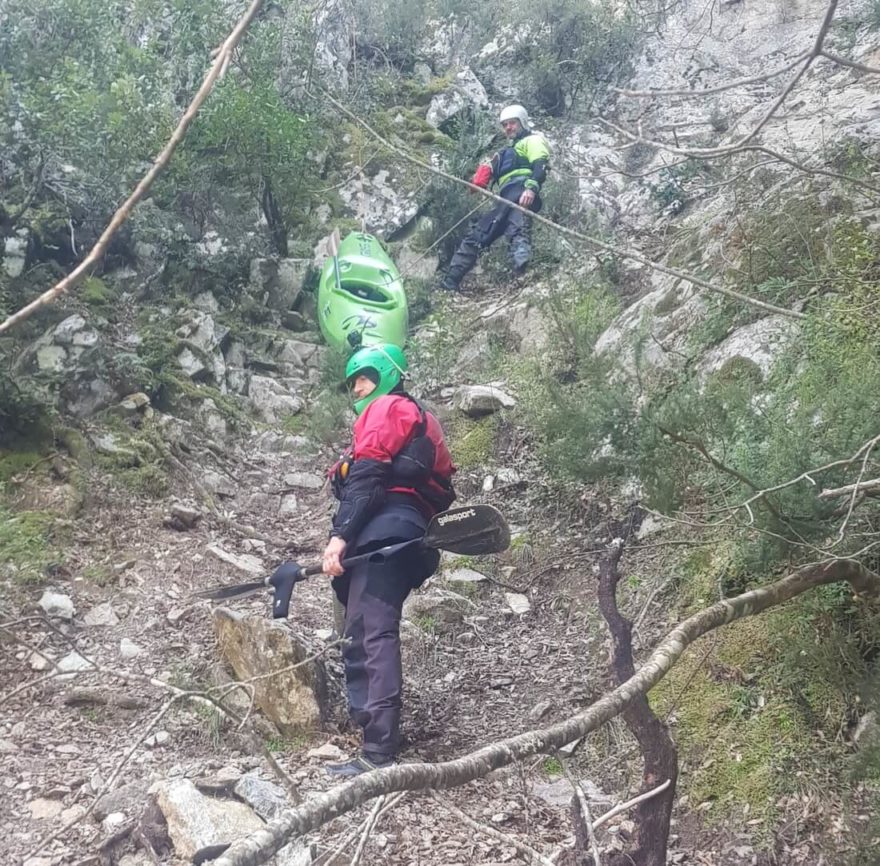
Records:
x=65, y=331
x=51, y=359
x=71, y=663
x=303, y=479
x=507, y=476
x=57, y=605
x=43, y=808
x=288, y=505
x=279, y=282
x=466, y=91
x=437, y=609
x=265, y=798
x=15, y=254
x=206, y=302
x=251, y=565
x=518, y=602
x=101, y=615
x=295, y=854
x=296, y=699
x=7, y=747
x=129, y=649
x=197, y=824
x=464, y=575
x=271, y=401
x=187, y=515
x=479, y=400
x=217, y=483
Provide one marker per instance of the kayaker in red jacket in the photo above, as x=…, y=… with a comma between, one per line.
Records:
x=395, y=476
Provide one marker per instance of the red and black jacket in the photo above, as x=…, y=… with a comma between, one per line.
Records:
x=398, y=447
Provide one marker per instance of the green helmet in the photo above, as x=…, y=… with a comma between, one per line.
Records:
x=384, y=364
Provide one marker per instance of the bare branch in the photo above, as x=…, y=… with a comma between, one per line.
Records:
x=256, y=848
x=586, y=816
x=860, y=486
x=709, y=91
x=842, y=61
x=622, y=807
x=217, y=68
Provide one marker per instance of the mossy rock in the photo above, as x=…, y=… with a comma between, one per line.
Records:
x=28, y=546
x=472, y=443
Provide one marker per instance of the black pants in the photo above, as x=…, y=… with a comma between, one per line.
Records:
x=373, y=596
x=501, y=220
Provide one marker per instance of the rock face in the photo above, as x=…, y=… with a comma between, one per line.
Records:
x=198, y=824
x=465, y=92
x=295, y=700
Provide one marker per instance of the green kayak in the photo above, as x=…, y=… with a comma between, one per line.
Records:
x=364, y=303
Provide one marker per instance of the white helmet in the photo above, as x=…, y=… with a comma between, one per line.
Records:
x=515, y=112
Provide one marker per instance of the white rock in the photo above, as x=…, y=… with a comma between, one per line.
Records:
x=128, y=649
x=56, y=604
x=327, y=752
x=101, y=615
x=518, y=602
x=464, y=575
x=73, y=662
x=113, y=822
x=243, y=562
x=42, y=808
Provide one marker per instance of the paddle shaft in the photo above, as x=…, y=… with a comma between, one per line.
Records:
x=284, y=586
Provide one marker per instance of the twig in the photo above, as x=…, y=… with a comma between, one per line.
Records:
x=586, y=817
x=368, y=828
x=861, y=486
x=622, y=807
x=217, y=69
x=531, y=855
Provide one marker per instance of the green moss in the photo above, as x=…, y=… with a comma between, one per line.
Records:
x=26, y=545
x=96, y=293
x=100, y=575
x=14, y=463
x=552, y=766
x=472, y=443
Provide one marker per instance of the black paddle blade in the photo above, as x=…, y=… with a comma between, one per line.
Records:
x=471, y=530
x=235, y=591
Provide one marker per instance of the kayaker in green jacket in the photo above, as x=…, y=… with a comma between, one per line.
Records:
x=518, y=171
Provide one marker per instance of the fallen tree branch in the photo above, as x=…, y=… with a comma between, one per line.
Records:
x=319, y=809
x=218, y=67
x=861, y=486
x=581, y=809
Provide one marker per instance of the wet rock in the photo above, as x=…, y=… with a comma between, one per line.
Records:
x=57, y=605
x=478, y=400
x=296, y=698
x=197, y=824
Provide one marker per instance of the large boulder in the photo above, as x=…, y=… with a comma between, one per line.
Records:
x=465, y=92
x=271, y=400
x=278, y=282
x=296, y=699
x=197, y=824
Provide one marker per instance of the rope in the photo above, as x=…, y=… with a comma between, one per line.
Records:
x=445, y=235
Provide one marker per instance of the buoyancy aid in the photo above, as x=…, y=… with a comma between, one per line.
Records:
x=524, y=161
x=398, y=447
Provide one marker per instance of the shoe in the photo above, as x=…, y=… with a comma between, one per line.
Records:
x=359, y=764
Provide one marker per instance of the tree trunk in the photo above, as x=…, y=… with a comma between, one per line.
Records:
x=658, y=750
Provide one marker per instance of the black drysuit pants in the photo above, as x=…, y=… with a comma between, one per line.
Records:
x=373, y=595
x=501, y=220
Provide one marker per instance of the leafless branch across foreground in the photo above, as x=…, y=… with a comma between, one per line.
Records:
x=218, y=67
x=258, y=847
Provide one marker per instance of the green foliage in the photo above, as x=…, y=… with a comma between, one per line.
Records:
x=25, y=412
x=552, y=766
x=671, y=192
x=26, y=545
